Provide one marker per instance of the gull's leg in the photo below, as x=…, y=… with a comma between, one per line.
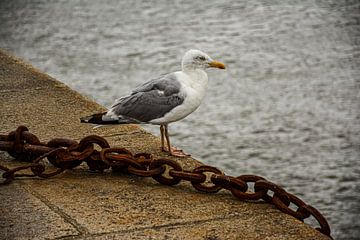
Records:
x=162, y=136
x=173, y=151
x=167, y=139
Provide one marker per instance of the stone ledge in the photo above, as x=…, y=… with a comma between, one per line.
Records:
x=79, y=204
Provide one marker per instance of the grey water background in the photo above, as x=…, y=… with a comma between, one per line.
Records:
x=287, y=107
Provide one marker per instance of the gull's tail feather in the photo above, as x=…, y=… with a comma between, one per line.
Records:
x=104, y=118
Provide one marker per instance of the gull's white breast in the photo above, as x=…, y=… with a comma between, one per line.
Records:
x=193, y=88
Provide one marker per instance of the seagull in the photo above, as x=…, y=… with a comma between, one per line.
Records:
x=163, y=100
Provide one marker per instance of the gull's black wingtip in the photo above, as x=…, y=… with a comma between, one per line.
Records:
x=95, y=118
x=83, y=120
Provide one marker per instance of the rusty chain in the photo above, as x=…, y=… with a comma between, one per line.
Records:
x=67, y=154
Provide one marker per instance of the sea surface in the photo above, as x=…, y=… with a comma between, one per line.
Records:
x=287, y=107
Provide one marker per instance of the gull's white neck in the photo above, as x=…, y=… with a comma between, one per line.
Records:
x=197, y=78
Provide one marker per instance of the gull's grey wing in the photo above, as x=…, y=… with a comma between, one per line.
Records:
x=151, y=100
x=167, y=83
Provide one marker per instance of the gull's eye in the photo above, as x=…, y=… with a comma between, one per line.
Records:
x=201, y=58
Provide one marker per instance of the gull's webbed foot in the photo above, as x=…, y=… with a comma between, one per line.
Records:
x=178, y=152
x=175, y=152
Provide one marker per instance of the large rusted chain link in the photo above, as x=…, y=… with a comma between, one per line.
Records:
x=67, y=154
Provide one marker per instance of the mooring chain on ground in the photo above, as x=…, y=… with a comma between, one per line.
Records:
x=67, y=154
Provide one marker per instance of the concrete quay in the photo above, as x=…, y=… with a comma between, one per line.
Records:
x=79, y=204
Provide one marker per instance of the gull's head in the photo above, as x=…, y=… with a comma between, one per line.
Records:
x=196, y=59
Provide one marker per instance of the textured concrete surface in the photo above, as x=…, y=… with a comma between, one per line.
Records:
x=79, y=204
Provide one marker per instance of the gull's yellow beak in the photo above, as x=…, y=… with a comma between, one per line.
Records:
x=217, y=64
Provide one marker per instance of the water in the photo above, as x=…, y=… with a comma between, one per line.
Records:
x=287, y=108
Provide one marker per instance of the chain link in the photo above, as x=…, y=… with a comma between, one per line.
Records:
x=67, y=154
